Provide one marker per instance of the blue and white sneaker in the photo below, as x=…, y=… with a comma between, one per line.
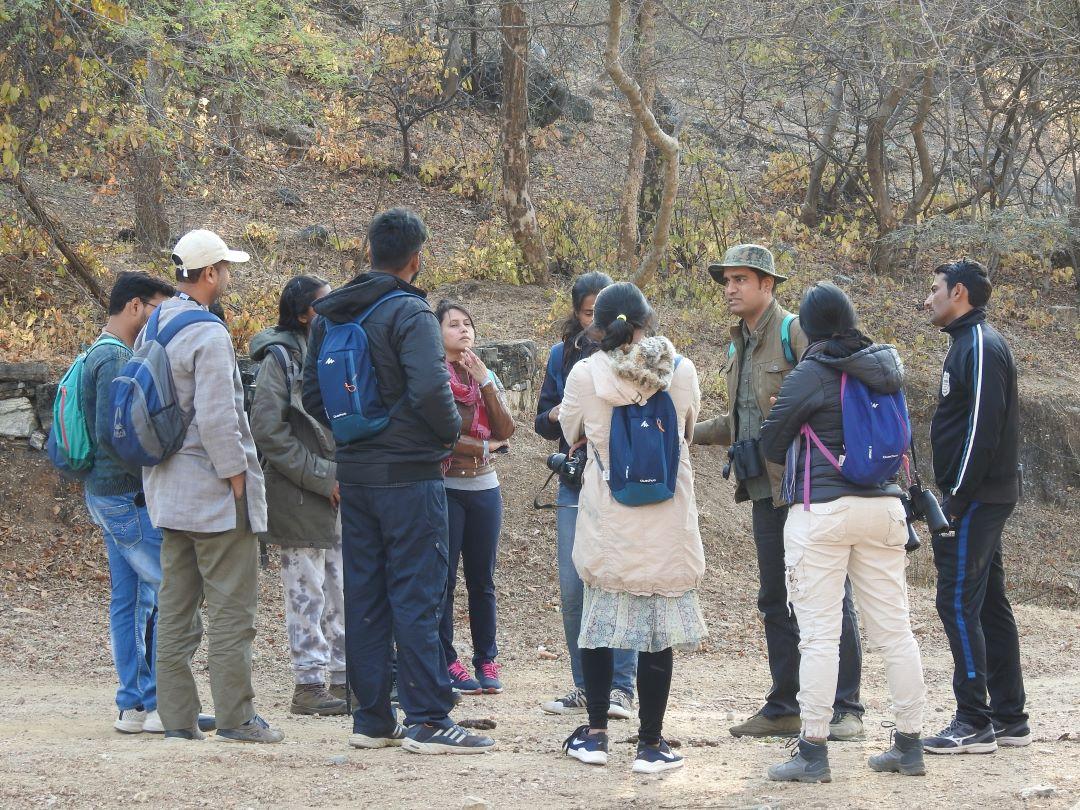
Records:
x=1013, y=735
x=592, y=749
x=962, y=738
x=394, y=738
x=656, y=758
x=425, y=739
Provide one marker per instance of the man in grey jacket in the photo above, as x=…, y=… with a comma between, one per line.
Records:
x=209, y=501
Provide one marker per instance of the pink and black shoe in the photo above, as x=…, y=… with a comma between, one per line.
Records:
x=460, y=680
x=488, y=676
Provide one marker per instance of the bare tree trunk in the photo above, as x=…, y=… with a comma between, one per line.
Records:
x=667, y=145
x=927, y=176
x=148, y=182
x=234, y=124
x=514, y=110
x=882, y=255
x=645, y=37
x=808, y=215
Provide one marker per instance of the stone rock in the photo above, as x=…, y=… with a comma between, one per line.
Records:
x=548, y=95
x=288, y=197
x=127, y=235
x=26, y=372
x=44, y=395
x=1038, y=792
x=17, y=417
x=314, y=235
x=38, y=439
x=578, y=108
x=12, y=388
x=514, y=361
x=474, y=803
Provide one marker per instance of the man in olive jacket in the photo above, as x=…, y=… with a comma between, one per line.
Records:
x=766, y=344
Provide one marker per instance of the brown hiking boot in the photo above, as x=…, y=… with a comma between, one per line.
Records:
x=314, y=698
x=758, y=725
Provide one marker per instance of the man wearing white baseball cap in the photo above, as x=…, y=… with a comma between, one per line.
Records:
x=209, y=501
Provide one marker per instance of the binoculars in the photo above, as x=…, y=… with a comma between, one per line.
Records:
x=921, y=504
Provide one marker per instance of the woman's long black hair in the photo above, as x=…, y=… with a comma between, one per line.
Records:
x=620, y=310
x=297, y=296
x=584, y=285
x=827, y=314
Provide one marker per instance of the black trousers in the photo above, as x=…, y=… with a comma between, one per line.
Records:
x=978, y=618
x=782, y=630
x=653, y=686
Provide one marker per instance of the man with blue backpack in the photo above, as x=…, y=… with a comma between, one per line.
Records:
x=765, y=346
x=376, y=375
x=80, y=442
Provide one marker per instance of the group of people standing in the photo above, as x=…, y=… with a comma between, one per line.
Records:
x=372, y=528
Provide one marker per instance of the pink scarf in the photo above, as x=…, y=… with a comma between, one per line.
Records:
x=468, y=394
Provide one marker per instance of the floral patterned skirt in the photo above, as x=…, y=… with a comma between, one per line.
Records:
x=624, y=621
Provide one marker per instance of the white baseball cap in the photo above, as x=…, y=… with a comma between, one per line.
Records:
x=201, y=248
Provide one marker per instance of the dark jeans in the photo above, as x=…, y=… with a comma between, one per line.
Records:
x=978, y=619
x=782, y=630
x=653, y=685
x=394, y=543
x=475, y=520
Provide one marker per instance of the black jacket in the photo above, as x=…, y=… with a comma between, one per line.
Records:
x=811, y=395
x=407, y=351
x=975, y=430
x=560, y=360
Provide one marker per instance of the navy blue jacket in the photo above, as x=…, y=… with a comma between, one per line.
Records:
x=975, y=430
x=559, y=363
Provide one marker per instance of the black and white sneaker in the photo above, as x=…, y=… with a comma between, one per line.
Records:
x=573, y=702
x=1014, y=735
x=394, y=738
x=656, y=758
x=592, y=749
x=962, y=738
x=425, y=739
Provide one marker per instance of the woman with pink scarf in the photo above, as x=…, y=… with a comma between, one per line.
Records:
x=473, y=499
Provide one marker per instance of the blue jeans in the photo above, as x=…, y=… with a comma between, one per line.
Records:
x=571, y=592
x=133, y=545
x=394, y=542
x=475, y=519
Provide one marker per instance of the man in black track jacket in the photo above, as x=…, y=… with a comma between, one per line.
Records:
x=974, y=435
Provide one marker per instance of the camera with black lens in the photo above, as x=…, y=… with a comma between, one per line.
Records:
x=569, y=467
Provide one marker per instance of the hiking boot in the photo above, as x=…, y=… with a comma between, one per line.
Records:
x=573, y=702
x=905, y=756
x=315, y=698
x=758, y=725
x=338, y=691
x=962, y=738
x=1013, y=735
x=185, y=734
x=809, y=763
x=488, y=676
x=425, y=739
x=656, y=758
x=153, y=723
x=620, y=705
x=394, y=738
x=462, y=681
x=846, y=727
x=255, y=730
x=130, y=721
x=592, y=749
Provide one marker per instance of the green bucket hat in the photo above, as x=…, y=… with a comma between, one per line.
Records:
x=756, y=257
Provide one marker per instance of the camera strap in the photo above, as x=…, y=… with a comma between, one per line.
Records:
x=536, y=498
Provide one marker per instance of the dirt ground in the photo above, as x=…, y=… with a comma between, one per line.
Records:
x=57, y=746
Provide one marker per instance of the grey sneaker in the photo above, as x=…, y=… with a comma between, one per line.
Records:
x=255, y=730
x=314, y=698
x=809, y=763
x=184, y=734
x=620, y=705
x=758, y=725
x=573, y=702
x=425, y=739
x=394, y=738
x=905, y=756
x=846, y=727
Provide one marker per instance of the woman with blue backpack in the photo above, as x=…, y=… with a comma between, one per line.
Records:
x=841, y=425
x=637, y=546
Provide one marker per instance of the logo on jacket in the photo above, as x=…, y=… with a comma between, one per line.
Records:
x=945, y=386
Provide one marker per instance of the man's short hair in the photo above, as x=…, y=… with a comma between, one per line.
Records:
x=393, y=237
x=972, y=275
x=139, y=285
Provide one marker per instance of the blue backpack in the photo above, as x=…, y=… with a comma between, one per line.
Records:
x=877, y=434
x=643, y=451
x=148, y=423
x=350, y=389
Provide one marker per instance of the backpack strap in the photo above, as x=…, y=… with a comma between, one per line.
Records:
x=785, y=340
x=378, y=302
x=181, y=321
x=811, y=436
x=281, y=354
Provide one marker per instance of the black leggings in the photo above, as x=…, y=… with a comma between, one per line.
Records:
x=653, y=686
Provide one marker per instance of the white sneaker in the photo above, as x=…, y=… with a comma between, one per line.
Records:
x=153, y=723
x=132, y=721
x=573, y=702
x=620, y=705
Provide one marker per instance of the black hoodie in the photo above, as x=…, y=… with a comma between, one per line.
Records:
x=975, y=429
x=810, y=395
x=407, y=351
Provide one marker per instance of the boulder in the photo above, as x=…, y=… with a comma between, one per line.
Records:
x=578, y=108
x=17, y=417
x=316, y=235
x=44, y=395
x=288, y=197
x=548, y=95
x=26, y=372
x=514, y=361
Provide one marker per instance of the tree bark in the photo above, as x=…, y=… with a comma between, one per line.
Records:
x=645, y=38
x=808, y=215
x=514, y=112
x=148, y=182
x=882, y=255
x=667, y=145
x=927, y=176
